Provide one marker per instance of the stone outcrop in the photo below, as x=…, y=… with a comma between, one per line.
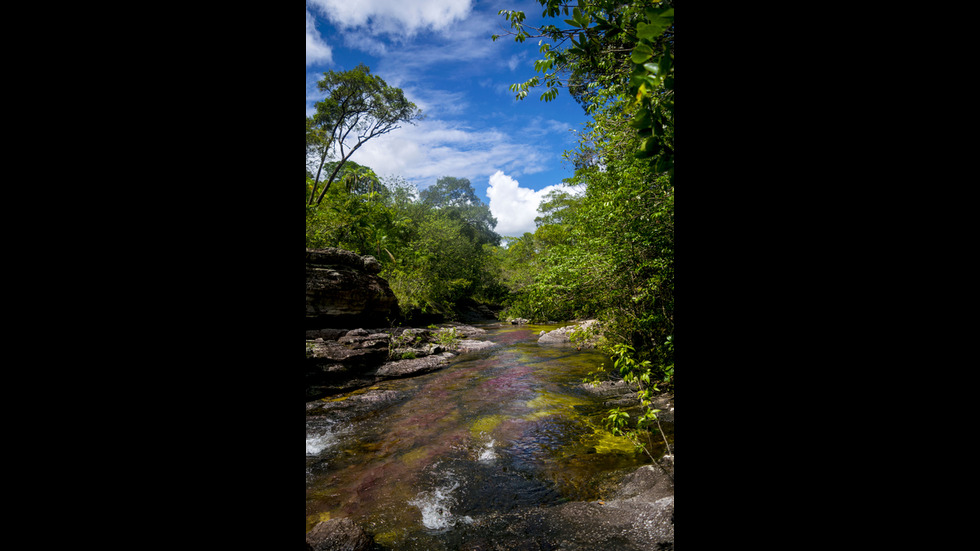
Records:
x=339, y=361
x=562, y=335
x=343, y=289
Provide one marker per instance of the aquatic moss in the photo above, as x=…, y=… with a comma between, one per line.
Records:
x=389, y=538
x=607, y=442
x=550, y=403
x=413, y=456
x=486, y=424
x=313, y=520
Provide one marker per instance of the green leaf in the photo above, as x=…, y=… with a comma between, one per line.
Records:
x=641, y=53
x=659, y=14
x=649, y=146
x=650, y=31
x=641, y=120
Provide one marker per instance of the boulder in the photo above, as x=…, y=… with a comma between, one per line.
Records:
x=562, y=335
x=338, y=534
x=344, y=290
x=648, y=483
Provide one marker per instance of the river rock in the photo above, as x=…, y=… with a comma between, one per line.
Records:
x=344, y=290
x=413, y=366
x=356, y=403
x=639, y=516
x=358, y=358
x=365, y=340
x=338, y=534
x=470, y=345
x=562, y=335
x=648, y=483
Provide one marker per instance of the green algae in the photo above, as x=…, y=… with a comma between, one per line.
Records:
x=412, y=457
x=551, y=403
x=314, y=519
x=390, y=538
x=606, y=442
x=486, y=424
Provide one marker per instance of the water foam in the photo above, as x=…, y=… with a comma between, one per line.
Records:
x=320, y=438
x=487, y=454
x=435, y=505
x=316, y=443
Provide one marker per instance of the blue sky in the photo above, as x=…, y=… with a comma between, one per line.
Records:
x=439, y=52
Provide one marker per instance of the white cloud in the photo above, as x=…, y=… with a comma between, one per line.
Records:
x=513, y=206
x=317, y=51
x=432, y=149
x=395, y=17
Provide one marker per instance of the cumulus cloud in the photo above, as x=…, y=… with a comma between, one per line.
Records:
x=513, y=206
x=317, y=51
x=395, y=17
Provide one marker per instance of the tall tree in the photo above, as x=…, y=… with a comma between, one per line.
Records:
x=359, y=106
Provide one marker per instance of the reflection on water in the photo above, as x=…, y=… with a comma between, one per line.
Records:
x=496, y=430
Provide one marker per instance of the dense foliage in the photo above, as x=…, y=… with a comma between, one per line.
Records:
x=436, y=250
x=603, y=247
x=610, y=48
x=607, y=253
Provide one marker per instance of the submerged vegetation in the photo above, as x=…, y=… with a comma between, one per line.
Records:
x=607, y=253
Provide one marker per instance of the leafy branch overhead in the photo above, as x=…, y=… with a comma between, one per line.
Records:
x=609, y=51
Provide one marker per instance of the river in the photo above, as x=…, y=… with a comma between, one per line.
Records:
x=496, y=431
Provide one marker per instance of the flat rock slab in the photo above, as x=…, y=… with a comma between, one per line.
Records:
x=413, y=366
x=562, y=335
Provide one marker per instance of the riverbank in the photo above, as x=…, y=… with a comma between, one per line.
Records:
x=459, y=444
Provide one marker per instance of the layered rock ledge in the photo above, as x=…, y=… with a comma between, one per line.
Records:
x=343, y=289
x=339, y=361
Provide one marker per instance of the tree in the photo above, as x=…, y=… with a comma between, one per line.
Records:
x=610, y=49
x=450, y=192
x=457, y=198
x=359, y=106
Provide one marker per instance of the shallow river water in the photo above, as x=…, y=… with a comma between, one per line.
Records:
x=495, y=431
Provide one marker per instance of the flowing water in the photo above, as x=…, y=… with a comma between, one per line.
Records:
x=496, y=431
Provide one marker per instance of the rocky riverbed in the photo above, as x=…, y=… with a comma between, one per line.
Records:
x=342, y=360
x=636, y=509
x=638, y=515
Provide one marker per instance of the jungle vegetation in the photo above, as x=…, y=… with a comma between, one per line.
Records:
x=606, y=254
